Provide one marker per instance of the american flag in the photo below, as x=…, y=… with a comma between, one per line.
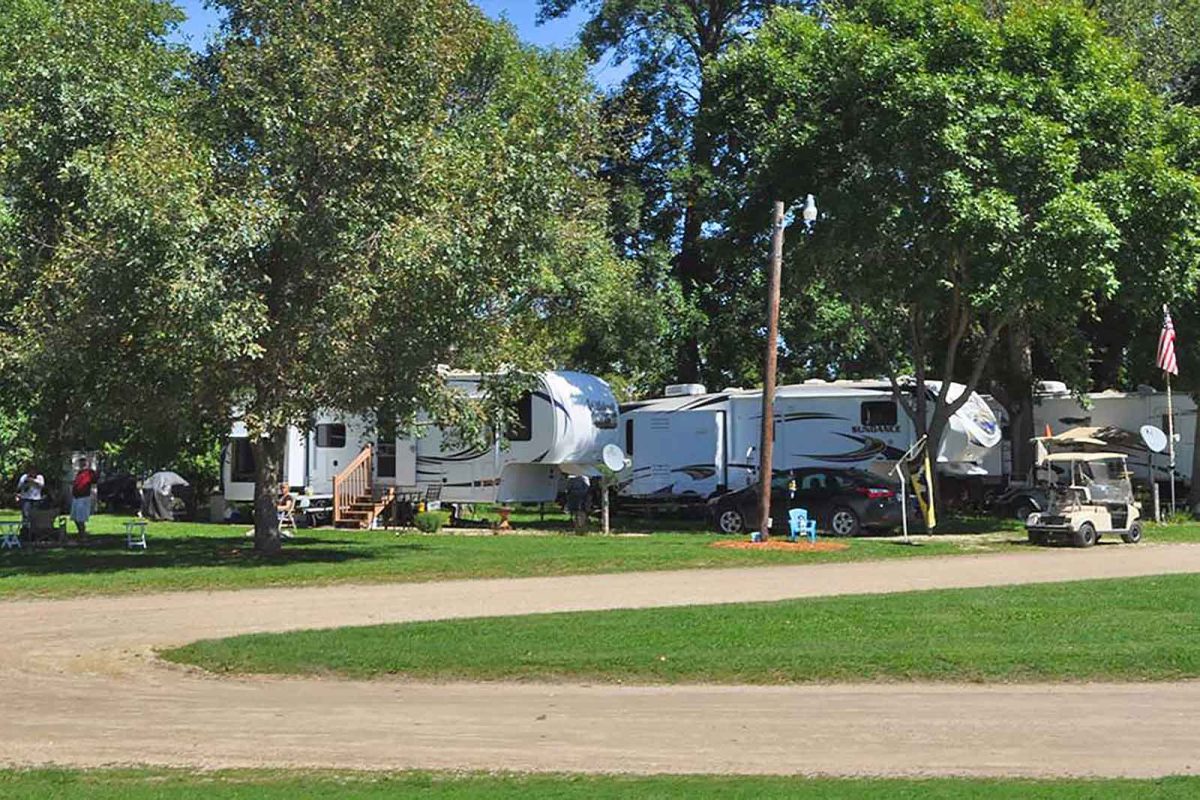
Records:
x=1166, y=346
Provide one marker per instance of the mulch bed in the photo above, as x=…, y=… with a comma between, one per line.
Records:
x=818, y=546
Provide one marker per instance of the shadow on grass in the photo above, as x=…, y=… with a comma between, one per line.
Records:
x=108, y=553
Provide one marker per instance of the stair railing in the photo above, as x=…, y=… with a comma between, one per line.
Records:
x=351, y=483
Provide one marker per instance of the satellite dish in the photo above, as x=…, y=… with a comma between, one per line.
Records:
x=1154, y=438
x=614, y=457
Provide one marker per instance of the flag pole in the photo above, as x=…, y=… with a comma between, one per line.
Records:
x=1171, y=440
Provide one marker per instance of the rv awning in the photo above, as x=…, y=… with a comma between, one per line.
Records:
x=1056, y=458
x=1095, y=437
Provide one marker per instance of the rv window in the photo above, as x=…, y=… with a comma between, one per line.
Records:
x=629, y=437
x=604, y=415
x=520, y=425
x=879, y=413
x=241, y=454
x=817, y=481
x=331, y=435
x=385, y=448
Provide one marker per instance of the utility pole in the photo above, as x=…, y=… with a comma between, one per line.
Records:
x=767, y=451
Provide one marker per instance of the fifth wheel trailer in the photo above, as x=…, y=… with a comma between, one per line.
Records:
x=1055, y=407
x=691, y=444
x=561, y=427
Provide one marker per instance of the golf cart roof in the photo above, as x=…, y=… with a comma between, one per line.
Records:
x=1058, y=458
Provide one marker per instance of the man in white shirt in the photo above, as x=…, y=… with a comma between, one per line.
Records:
x=29, y=493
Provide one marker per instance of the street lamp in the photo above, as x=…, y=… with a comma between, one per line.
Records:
x=767, y=451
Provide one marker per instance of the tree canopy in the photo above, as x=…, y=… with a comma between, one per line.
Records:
x=106, y=299
x=336, y=199
x=971, y=168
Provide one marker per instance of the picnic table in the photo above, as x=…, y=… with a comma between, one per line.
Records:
x=10, y=535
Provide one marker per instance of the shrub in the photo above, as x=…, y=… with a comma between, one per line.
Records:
x=429, y=521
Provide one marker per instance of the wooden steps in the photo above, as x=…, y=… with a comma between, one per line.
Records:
x=360, y=512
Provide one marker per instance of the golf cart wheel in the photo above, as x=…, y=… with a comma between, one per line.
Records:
x=1037, y=538
x=731, y=521
x=1085, y=536
x=843, y=522
x=1134, y=535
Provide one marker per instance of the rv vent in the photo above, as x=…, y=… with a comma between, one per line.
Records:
x=685, y=389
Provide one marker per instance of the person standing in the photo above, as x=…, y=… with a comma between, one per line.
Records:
x=81, y=496
x=578, y=489
x=29, y=494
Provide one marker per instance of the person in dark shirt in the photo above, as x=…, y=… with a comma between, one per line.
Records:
x=578, y=489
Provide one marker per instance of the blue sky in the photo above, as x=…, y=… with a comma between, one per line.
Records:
x=521, y=13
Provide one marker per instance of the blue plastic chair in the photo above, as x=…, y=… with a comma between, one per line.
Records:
x=798, y=522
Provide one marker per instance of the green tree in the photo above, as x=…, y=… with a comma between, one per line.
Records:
x=661, y=173
x=976, y=169
x=107, y=306
x=416, y=188
x=1166, y=34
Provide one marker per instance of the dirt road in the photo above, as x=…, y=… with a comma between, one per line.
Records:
x=79, y=685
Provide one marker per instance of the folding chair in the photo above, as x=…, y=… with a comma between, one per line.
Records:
x=287, y=523
x=135, y=535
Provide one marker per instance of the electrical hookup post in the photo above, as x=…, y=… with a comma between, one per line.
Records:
x=1166, y=361
x=914, y=467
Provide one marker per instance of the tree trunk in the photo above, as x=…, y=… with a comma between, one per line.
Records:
x=1019, y=391
x=936, y=428
x=268, y=472
x=690, y=268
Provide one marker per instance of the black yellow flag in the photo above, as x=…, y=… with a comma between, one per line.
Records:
x=920, y=474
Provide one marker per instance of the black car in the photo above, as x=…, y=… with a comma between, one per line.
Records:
x=844, y=501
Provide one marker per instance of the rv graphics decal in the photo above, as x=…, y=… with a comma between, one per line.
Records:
x=697, y=472
x=703, y=402
x=804, y=416
x=871, y=448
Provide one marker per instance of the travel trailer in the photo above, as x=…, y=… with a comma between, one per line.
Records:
x=1127, y=412
x=561, y=426
x=691, y=444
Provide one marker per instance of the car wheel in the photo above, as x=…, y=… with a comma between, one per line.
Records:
x=843, y=522
x=1134, y=535
x=731, y=521
x=1085, y=536
x=1023, y=509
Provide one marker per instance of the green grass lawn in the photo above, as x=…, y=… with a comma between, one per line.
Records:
x=201, y=556
x=1134, y=629
x=279, y=785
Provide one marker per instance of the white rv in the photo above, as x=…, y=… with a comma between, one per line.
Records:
x=1058, y=409
x=691, y=445
x=561, y=426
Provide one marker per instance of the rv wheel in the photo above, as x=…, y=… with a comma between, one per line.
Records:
x=843, y=522
x=1023, y=510
x=730, y=521
x=1134, y=535
x=1085, y=536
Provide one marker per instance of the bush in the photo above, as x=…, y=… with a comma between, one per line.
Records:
x=429, y=521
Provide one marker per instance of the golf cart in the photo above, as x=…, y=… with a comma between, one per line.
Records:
x=1096, y=499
